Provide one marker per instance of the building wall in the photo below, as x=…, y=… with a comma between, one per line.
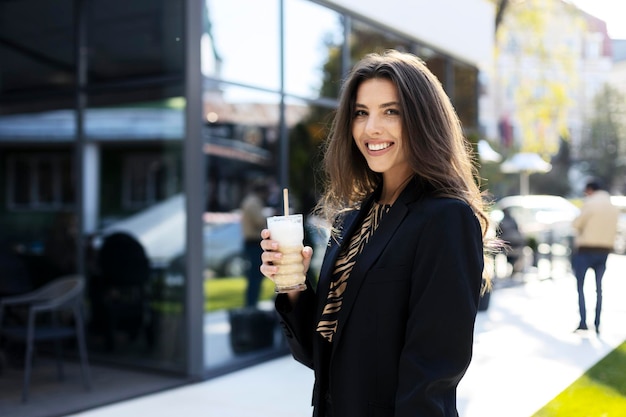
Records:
x=618, y=72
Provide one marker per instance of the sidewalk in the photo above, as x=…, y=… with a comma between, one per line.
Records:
x=525, y=353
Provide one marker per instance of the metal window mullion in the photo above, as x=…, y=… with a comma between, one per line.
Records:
x=284, y=133
x=81, y=64
x=194, y=162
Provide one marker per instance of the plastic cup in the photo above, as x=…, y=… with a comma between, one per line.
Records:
x=288, y=231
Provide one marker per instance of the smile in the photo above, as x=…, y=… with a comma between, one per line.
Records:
x=378, y=146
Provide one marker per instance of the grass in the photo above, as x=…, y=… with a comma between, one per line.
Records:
x=219, y=294
x=228, y=293
x=599, y=392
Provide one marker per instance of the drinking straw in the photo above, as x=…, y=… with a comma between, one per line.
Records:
x=286, y=201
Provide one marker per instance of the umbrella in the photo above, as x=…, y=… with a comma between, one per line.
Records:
x=525, y=163
x=486, y=152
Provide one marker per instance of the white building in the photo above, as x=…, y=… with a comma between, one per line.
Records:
x=551, y=59
x=617, y=77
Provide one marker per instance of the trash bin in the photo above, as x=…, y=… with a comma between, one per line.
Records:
x=251, y=329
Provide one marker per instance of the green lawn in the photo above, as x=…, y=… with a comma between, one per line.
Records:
x=228, y=293
x=599, y=392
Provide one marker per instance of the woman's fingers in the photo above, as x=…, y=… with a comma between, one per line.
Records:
x=271, y=254
x=268, y=268
x=268, y=271
x=307, y=254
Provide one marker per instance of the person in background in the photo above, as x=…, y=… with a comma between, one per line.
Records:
x=512, y=237
x=595, y=228
x=252, y=222
x=388, y=329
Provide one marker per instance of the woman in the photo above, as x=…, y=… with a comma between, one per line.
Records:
x=388, y=330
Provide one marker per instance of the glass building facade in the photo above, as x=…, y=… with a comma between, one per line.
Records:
x=129, y=135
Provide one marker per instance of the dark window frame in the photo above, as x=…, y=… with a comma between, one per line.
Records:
x=45, y=191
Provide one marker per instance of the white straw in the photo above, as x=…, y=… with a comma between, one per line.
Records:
x=286, y=201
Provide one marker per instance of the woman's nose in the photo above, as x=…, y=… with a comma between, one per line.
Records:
x=373, y=126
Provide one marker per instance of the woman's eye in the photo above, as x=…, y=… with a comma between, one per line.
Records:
x=392, y=112
x=360, y=113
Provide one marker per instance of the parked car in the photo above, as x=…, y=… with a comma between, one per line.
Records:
x=541, y=218
x=223, y=244
x=160, y=230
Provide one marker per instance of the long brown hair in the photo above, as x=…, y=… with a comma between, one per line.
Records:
x=432, y=136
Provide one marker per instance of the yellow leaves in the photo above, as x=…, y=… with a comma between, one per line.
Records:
x=532, y=15
x=539, y=43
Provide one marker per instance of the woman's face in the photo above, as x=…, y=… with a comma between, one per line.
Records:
x=377, y=129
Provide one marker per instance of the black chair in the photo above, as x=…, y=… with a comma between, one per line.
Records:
x=62, y=294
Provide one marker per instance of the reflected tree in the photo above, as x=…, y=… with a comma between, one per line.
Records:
x=603, y=150
x=537, y=36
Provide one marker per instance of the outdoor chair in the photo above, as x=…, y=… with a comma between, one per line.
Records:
x=64, y=294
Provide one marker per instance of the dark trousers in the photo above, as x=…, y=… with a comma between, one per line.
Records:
x=582, y=261
x=253, y=251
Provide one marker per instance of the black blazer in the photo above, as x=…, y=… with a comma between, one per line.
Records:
x=405, y=331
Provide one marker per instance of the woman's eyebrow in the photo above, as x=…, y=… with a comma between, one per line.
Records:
x=382, y=106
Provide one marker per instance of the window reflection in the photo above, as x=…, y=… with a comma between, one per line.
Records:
x=136, y=249
x=306, y=137
x=39, y=180
x=241, y=42
x=243, y=148
x=132, y=39
x=240, y=139
x=37, y=195
x=43, y=46
x=313, y=39
x=465, y=98
x=366, y=38
x=437, y=65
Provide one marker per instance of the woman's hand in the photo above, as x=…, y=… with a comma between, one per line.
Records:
x=271, y=254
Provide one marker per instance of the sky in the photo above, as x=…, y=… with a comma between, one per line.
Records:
x=613, y=12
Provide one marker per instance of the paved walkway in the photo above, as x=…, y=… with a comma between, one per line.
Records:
x=525, y=354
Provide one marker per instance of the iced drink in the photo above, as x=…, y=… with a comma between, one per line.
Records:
x=288, y=231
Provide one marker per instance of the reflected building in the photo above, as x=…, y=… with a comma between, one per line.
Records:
x=545, y=77
x=129, y=132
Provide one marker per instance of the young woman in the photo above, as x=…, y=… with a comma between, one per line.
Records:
x=389, y=328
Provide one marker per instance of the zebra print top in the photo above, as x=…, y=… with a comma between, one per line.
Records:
x=327, y=325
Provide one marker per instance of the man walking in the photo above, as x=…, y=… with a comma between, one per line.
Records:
x=595, y=227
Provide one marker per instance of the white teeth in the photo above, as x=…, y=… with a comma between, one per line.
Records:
x=378, y=146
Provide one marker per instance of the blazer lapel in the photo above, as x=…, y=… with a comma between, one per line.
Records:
x=377, y=243
x=366, y=259
x=330, y=258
